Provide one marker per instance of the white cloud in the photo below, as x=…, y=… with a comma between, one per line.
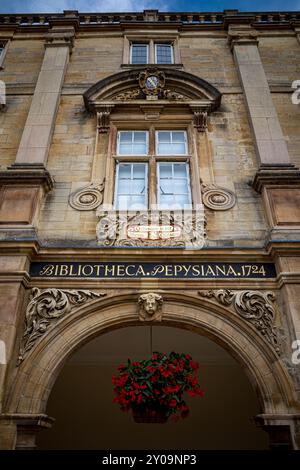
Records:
x=49, y=6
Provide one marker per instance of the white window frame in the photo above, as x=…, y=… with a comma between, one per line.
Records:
x=188, y=179
x=164, y=44
x=132, y=154
x=171, y=154
x=139, y=44
x=145, y=164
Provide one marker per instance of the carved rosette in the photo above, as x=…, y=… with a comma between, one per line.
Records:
x=45, y=309
x=113, y=228
x=216, y=198
x=253, y=306
x=87, y=198
x=150, y=307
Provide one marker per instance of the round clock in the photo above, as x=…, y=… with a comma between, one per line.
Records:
x=152, y=82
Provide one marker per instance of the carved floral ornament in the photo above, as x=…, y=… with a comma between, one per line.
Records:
x=256, y=307
x=45, y=309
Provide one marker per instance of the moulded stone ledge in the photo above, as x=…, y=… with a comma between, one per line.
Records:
x=275, y=175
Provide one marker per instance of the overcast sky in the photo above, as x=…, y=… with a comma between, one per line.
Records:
x=40, y=6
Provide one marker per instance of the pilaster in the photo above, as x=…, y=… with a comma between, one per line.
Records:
x=277, y=178
x=24, y=184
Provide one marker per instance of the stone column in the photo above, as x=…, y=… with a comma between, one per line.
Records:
x=277, y=178
x=24, y=184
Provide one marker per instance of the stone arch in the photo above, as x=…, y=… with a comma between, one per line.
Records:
x=38, y=372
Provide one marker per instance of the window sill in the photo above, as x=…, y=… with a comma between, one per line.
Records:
x=164, y=66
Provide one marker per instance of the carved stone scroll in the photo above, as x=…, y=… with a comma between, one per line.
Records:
x=216, y=198
x=45, y=308
x=150, y=307
x=253, y=306
x=87, y=198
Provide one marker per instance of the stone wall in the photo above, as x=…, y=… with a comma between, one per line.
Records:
x=70, y=159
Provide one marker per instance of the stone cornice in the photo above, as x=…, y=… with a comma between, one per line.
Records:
x=27, y=175
x=204, y=20
x=276, y=175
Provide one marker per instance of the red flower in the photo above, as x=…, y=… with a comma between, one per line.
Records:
x=160, y=381
x=194, y=365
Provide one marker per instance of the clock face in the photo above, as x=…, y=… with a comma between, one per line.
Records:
x=152, y=82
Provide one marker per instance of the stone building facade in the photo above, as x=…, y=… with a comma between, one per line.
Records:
x=106, y=110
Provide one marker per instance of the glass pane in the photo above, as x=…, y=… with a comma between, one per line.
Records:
x=125, y=137
x=163, y=54
x=180, y=186
x=139, y=137
x=178, y=136
x=182, y=200
x=164, y=136
x=166, y=202
x=139, y=171
x=139, y=54
x=180, y=170
x=122, y=202
x=124, y=171
x=166, y=186
x=137, y=202
x=139, y=149
x=138, y=187
x=177, y=149
x=165, y=171
x=164, y=149
x=125, y=149
x=124, y=187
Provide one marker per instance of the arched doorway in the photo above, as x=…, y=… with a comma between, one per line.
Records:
x=35, y=377
x=86, y=418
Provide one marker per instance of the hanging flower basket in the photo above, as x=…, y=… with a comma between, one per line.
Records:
x=153, y=389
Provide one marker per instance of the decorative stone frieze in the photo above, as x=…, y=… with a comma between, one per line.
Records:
x=256, y=307
x=45, y=308
x=216, y=198
x=150, y=307
x=87, y=198
x=151, y=228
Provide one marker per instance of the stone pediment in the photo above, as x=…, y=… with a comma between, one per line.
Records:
x=152, y=84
